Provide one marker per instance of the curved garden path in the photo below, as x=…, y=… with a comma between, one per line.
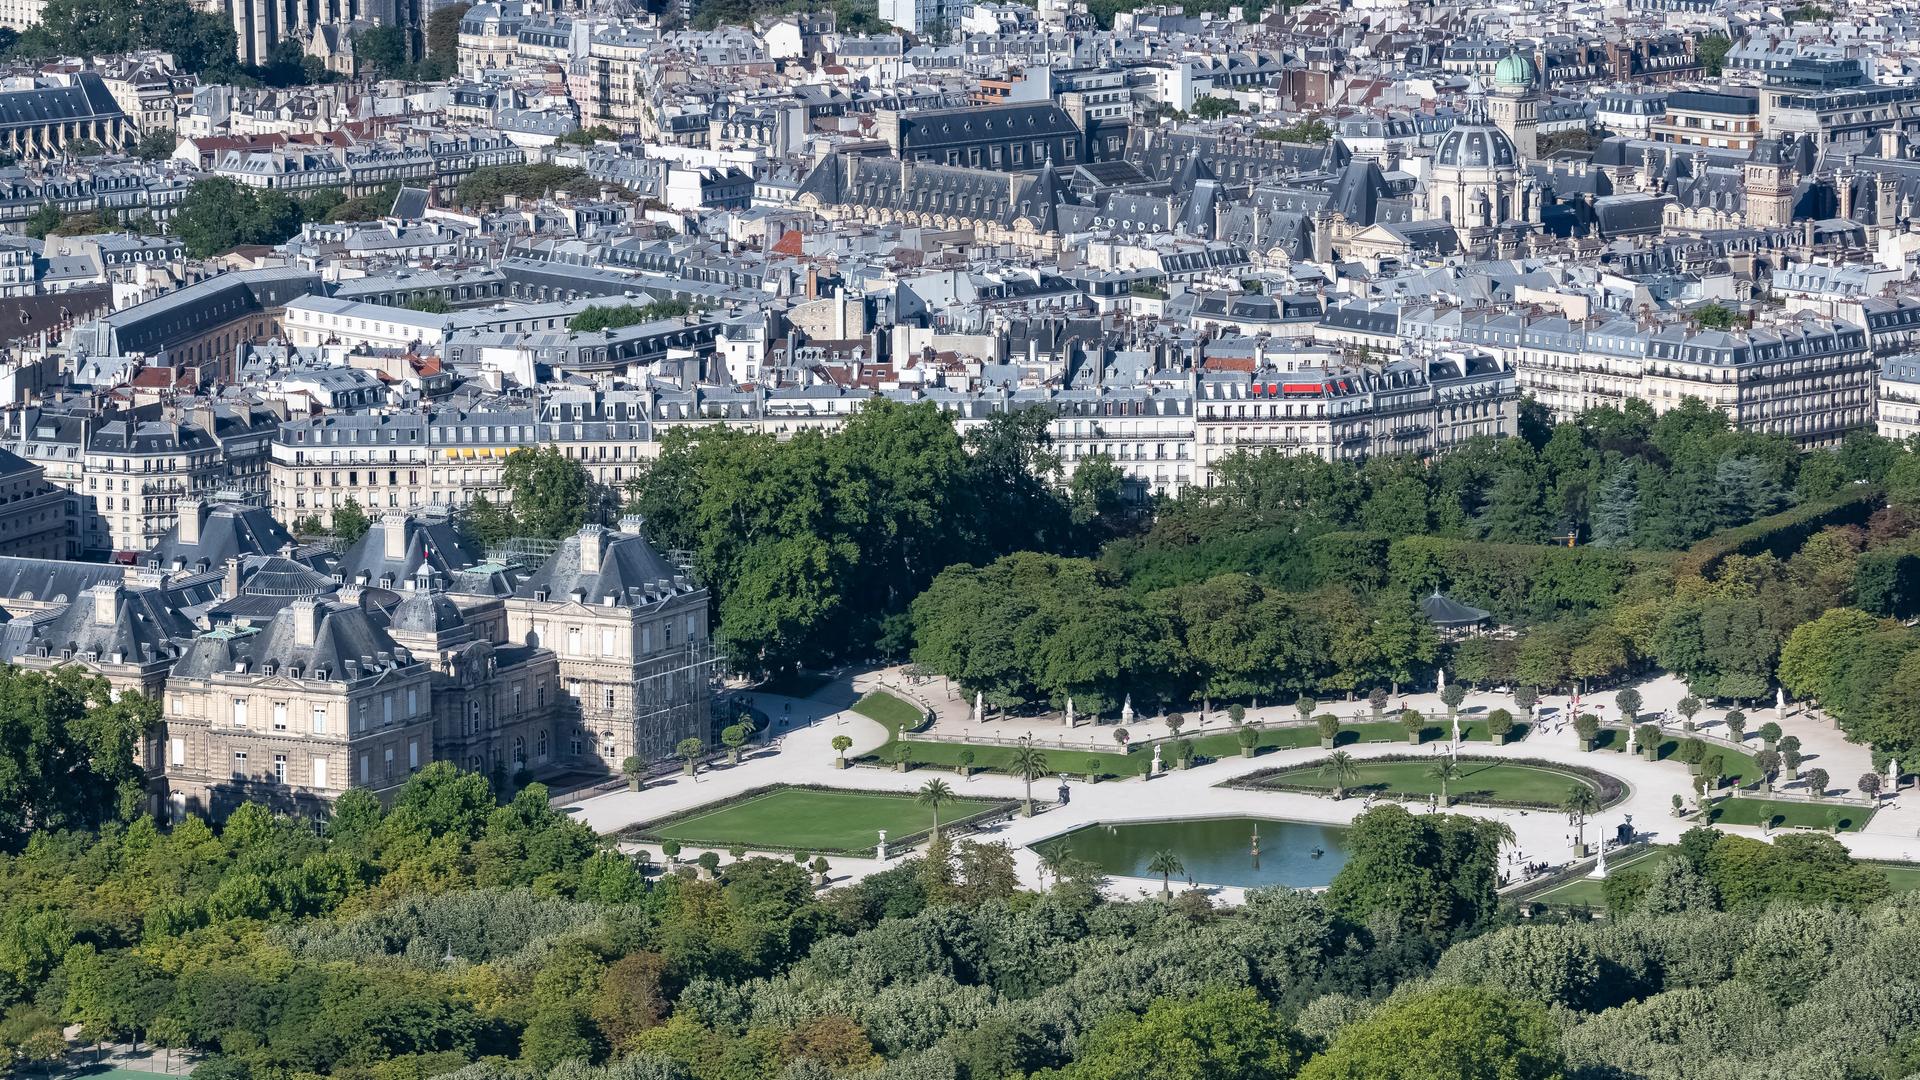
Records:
x=804, y=756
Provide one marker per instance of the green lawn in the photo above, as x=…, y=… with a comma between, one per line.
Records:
x=1585, y=892
x=1391, y=731
x=889, y=710
x=1904, y=877
x=946, y=755
x=1480, y=781
x=1798, y=815
x=1740, y=767
x=1214, y=744
x=812, y=820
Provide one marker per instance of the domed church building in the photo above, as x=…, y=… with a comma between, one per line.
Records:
x=1515, y=104
x=1476, y=183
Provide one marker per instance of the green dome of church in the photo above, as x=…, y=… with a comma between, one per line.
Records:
x=1515, y=72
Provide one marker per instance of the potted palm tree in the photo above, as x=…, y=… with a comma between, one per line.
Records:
x=1581, y=801
x=1166, y=864
x=1029, y=763
x=933, y=795
x=1342, y=770
x=1445, y=771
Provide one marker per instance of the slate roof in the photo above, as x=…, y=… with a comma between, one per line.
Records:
x=52, y=579
x=632, y=573
x=410, y=204
x=227, y=531
x=927, y=129
x=433, y=545
x=87, y=99
x=109, y=621
x=346, y=646
x=426, y=613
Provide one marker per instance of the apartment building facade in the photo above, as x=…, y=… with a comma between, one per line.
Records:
x=127, y=472
x=1896, y=413
x=1425, y=406
x=1809, y=378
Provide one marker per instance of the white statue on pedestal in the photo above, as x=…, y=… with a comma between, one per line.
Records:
x=1633, y=739
x=1893, y=774
x=1126, y=710
x=979, y=706
x=1069, y=710
x=1600, y=863
x=1440, y=681
x=883, y=845
x=1456, y=732
x=1780, y=703
x=1155, y=770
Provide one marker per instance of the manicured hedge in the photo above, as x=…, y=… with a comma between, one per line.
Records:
x=1519, y=582
x=1783, y=533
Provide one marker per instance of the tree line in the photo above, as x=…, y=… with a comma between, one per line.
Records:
x=219, y=214
x=814, y=545
x=202, y=42
x=1032, y=629
x=1611, y=478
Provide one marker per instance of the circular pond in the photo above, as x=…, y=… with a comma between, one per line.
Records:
x=1214, y=851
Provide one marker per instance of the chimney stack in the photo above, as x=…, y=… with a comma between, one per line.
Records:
x=393, y=533
x=106, y=604
x=192, y=513
x=306, y=621
x=591, y=543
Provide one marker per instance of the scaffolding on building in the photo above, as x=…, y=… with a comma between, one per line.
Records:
x=675, y=703
x=525, y=551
